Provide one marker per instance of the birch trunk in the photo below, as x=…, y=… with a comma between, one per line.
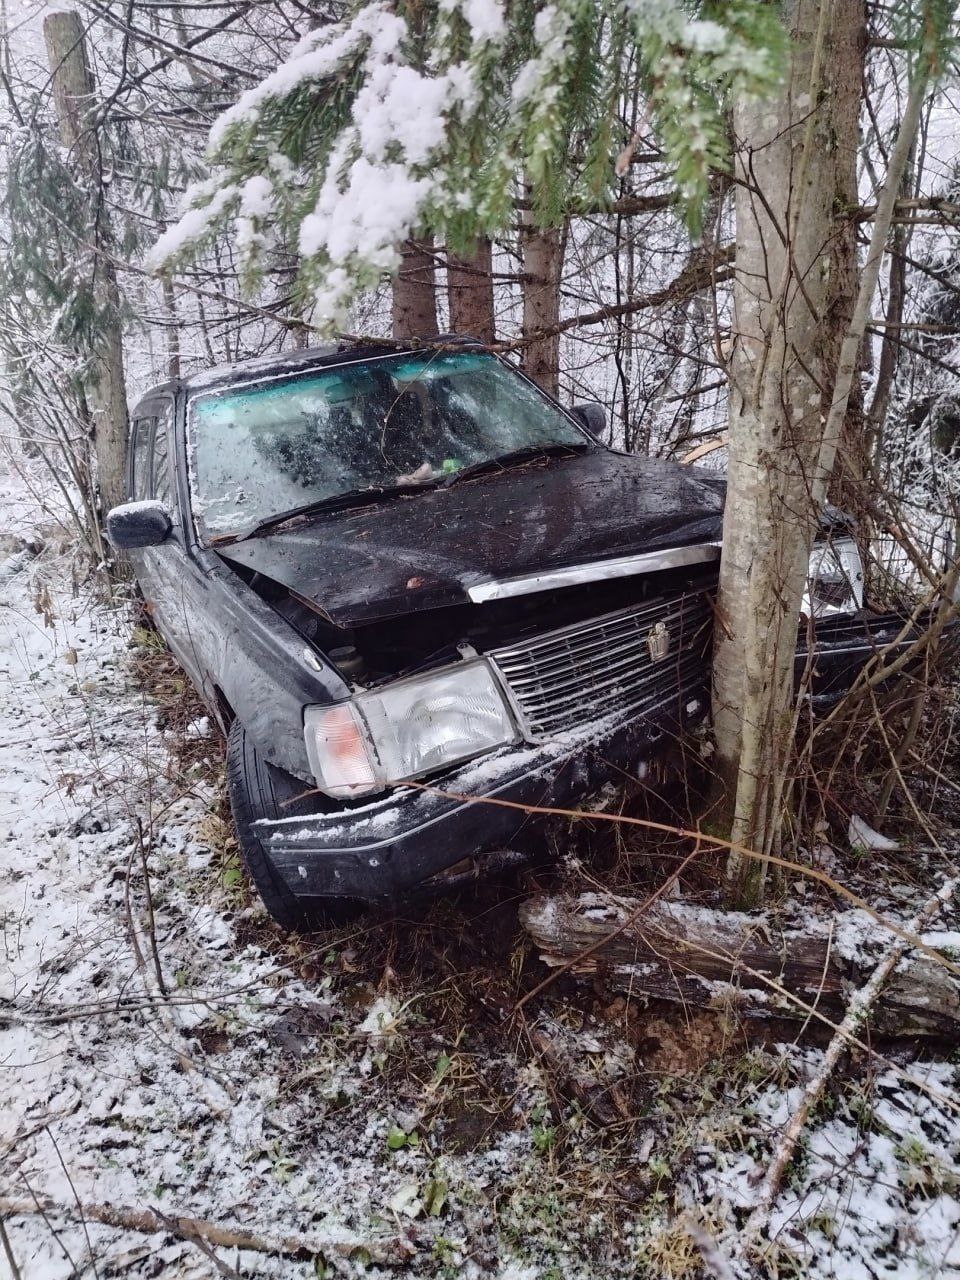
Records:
x=542, y=267
x=74, y=94
x=415, y=293
x=470, y=293
x=791, y=167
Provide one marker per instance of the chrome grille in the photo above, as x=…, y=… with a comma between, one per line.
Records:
x=563, y=679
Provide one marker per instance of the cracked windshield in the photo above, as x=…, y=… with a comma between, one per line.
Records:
x=378, y=424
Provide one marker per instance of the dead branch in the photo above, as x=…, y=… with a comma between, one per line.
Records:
x=15, y=1271
x=151, y=922
x=394, y=1251
x=223, y=1268
x=704, y=270
x=859, y=1008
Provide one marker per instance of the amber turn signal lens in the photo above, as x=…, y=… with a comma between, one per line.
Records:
x=339, y=753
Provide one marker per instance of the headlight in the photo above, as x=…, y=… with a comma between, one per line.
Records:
x=834, y=579
x=407, y=729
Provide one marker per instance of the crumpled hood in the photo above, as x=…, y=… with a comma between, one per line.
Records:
x=425, y=550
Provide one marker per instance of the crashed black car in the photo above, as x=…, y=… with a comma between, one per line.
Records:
x=407, y=581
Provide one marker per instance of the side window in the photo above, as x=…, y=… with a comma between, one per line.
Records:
x=163, y=487
x=141, y=457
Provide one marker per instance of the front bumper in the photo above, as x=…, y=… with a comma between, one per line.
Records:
x=400, y=840
x=842, y=647
x=404, y=838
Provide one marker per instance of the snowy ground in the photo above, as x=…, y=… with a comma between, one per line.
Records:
x=367, y=1096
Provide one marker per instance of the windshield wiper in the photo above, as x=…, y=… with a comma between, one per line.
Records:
x=335, y=502
x=515, y=456
x=381, y=493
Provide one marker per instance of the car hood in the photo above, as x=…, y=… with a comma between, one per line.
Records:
x=425, y=550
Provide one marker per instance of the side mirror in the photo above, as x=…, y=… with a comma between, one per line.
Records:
x=591, y=415
x=138, y=524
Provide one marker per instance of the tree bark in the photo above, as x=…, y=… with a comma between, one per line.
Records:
x=790, y=165
x=848, y=46
x=415, y=292
x=74, y=94
x=173, y=329
x=714, y=958
x=470, y=293
x=844, y=385
x=542, y=267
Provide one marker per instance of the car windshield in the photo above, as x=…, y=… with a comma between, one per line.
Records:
x=258, y=451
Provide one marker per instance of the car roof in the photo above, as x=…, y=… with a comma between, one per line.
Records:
x=291, y=361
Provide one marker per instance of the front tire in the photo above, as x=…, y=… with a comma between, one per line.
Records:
x=258, y=789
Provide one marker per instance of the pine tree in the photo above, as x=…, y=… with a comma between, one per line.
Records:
x=361, y=140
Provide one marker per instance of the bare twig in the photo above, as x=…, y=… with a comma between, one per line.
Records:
x=8, y=1251
x=151, y=923
x=173, y=1226
x=857, y=1011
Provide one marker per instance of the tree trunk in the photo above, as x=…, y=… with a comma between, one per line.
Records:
x=470, y=293
x=844, y=386
x=415, y=292
x=173, y=329
x=75, y=100
x=705, y=957
x=850, y=34
x=790, y=165
x=542, y=267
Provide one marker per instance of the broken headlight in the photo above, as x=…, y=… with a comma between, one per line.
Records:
x=407, y=729
x=834, y=579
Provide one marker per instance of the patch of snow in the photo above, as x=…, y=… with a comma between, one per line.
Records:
x=201, y=728
x=141, y=505
x=227, y=1098
x=321, y=53
x=382, y=1019
x=208, y=200
x=256, y=197
x=863, y=838
x=485, y=19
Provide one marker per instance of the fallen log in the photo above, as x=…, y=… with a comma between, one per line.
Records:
x=704, y=956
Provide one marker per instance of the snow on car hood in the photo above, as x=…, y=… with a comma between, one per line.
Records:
x=425, y=550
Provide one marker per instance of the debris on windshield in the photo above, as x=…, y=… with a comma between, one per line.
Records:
x=423, y=472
